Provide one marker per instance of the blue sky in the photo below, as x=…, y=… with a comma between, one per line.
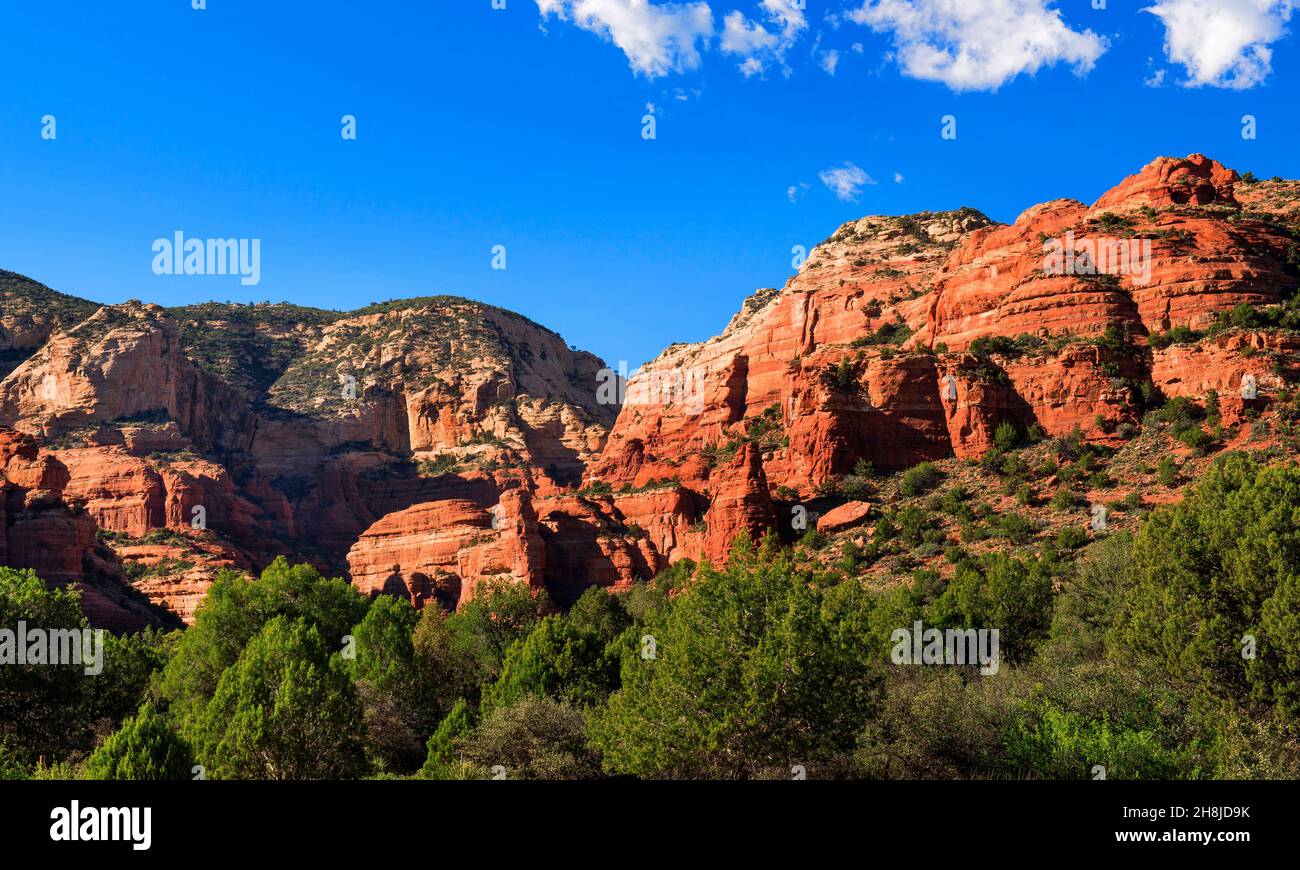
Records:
x=480, y=127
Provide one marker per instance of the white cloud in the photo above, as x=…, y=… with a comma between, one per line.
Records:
x=979, y=44
x=794, y=191
x=742, y=36
x=846, y=181
x=657, y=38
x=830, y=60
x=1223, y=43
x=758, y=45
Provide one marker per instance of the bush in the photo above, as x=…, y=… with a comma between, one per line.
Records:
x=1006, y=437
x=855, y=488
x=1051, y=743
x=1167, y=471
x=535, y=738
x=1071, y=538
x=896, y=333
x=913, y=522
x=842, y=377
x=1015, y=528
x=813, y=539
x=1196, y=438
x=919, y=479
x=1065, y=499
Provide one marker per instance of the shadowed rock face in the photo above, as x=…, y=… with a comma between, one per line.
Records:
x=424, y=447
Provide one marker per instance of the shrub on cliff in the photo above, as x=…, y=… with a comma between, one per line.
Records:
x=842, y=377
x=919, y=479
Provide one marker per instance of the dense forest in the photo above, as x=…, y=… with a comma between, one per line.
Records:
x=1172, y=652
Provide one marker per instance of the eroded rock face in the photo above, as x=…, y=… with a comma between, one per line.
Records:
x=427, y=447
x=864, y=356
x=441, y=551
x=244, y=435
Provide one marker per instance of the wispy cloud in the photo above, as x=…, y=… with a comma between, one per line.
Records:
x=759, y=44
x=845, y=181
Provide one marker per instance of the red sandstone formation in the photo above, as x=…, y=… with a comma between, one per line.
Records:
x=426, y=447
x=443, y=549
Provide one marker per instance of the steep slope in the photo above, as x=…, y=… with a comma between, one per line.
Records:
x=29, y=314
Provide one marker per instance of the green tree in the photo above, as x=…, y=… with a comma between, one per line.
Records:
x=400, y=703
x=464, y=651
x=556, y=660
x=598, y=611
x=43, y=708
x=756, y=667
x=235, y=609
x=145, y=747
x=285, y=710
x=1092, y=596
x=999, y=592
x=443, y=746
x=1215, y=592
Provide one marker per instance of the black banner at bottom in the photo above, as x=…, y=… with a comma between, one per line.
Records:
x=150, y=821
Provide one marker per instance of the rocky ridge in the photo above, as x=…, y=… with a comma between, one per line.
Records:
x=426, y=446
